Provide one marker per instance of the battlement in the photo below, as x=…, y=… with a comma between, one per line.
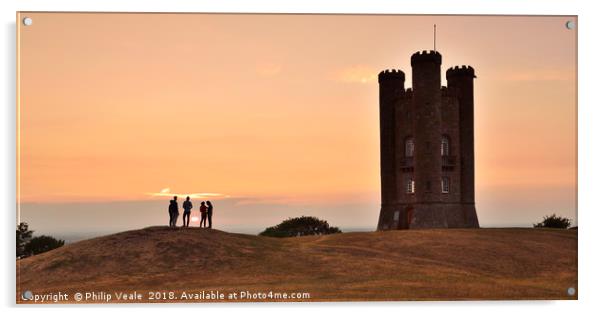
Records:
x=391, y=74
x=451, y=92
x=430, y=56
x=408, y=94
x=457, y=71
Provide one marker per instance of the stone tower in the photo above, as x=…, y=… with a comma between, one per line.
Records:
x=427, y=147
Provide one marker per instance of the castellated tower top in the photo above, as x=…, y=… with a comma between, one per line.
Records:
x=464, y=71
x=391, y=74
x=430, y=56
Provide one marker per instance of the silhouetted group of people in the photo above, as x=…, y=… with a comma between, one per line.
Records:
x=205, y=209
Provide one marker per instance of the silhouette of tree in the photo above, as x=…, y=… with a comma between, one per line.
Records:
x=42, y=244
x=300, y=226
x=23, y=237
x=554, y=221
x=28, y=246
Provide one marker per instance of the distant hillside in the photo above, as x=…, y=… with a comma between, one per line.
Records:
x=442, y=264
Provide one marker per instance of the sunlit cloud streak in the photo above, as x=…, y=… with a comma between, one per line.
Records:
x=166, y=192
x=357, y=74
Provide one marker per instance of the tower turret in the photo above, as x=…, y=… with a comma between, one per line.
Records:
x=426, y=84
x=461, y=81
x=391, y=87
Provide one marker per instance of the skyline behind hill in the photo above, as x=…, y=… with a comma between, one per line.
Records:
x=275, y=115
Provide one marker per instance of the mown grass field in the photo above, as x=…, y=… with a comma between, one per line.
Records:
x=434, y=264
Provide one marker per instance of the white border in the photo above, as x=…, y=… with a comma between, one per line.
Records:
x=589, y=149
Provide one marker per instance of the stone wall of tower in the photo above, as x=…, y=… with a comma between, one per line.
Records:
x=461, y=81
x=405, y=165
x=450, y=127
x=426, y=87
x=404, y=130
x=427, y=113
x=391, y=88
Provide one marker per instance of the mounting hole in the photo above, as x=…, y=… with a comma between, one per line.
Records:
x=570, y=25
x=570, y=291
x=27, y=21
x=27, y=295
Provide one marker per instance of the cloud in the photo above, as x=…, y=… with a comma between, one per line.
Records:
x=357, y=74
x=205, y=195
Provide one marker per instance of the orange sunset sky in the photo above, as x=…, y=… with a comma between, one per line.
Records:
x=279, y=110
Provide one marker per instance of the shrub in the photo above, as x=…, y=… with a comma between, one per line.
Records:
x=300, y=226
x=41, y=244
x=554, y=221
x=28, y=246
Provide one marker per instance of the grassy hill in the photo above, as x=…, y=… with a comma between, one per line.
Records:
x=437, y=264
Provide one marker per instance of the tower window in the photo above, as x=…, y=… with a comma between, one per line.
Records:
x=445, y=146
x=410, y=186
x=409, y=147
x=445, y=185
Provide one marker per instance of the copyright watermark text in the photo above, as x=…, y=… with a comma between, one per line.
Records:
x=162, y=296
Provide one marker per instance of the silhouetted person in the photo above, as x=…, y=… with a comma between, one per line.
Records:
x=209, y=212
x=187, y=206
x=203, y=210
x=173, y=212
